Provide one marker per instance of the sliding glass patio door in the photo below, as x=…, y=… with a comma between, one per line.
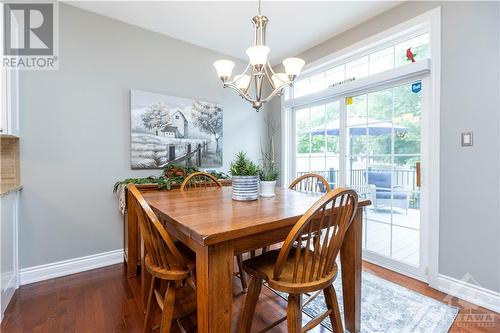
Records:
x=371, y=142
x=383, y=146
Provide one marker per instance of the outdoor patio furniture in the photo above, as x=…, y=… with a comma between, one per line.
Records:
x=380, y=184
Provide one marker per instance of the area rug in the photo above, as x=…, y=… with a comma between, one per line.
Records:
x=389, y=308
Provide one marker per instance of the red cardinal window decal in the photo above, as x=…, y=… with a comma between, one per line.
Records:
x=410, y=55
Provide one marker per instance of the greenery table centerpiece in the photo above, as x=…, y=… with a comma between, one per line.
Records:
x=245, y=176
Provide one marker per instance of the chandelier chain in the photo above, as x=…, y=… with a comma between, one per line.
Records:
x=260, y=7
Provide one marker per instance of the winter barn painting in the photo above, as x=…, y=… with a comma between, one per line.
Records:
x=173, y=130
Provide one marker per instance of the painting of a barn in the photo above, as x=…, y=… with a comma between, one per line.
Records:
x=174, y=130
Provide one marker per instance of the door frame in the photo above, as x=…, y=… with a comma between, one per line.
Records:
x=430, y=152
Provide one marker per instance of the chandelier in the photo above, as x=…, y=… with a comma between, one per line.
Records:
x=258, y=72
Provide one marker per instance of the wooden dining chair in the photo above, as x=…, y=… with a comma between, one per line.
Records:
x=166, y=261
x=309, y=269
x=199, y=180
x=204, y=179
x=310, y=182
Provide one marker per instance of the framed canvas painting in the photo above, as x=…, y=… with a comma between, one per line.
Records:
x=173, y=130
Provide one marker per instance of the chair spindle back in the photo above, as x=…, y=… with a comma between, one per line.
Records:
x=310, y=182
x=200, y=179
x=322, y=228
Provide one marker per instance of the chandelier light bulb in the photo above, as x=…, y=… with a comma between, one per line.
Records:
x=224, y=69
x=258, y=54
x=293, y=66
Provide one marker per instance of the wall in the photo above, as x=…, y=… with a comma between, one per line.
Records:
x=469, y=197
x=76, y=128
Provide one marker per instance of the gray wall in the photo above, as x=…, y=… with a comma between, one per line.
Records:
x=469, y=202
x=75, y=129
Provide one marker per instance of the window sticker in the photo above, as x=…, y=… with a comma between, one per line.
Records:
x=416, y=87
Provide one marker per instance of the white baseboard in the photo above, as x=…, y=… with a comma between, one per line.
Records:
x=71, y=266
x=469, y=292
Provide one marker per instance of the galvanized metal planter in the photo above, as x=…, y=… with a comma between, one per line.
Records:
x=245, y=188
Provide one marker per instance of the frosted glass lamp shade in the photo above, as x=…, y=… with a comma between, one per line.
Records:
x=224, y=68
x=280, y=79
x=258, y=54
x=243, y=81
x=293, y=66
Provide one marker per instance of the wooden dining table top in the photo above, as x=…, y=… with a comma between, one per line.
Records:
x=210, y=215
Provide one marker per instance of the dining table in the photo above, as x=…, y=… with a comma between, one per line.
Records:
x=217, y=228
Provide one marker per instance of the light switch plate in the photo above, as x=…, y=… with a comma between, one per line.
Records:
x=467, y=139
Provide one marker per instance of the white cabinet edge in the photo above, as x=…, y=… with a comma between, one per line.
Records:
x=8, y=288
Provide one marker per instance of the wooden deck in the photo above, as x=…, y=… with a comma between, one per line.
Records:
x=405, y=232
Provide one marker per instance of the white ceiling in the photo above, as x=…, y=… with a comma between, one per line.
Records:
x=225, y=26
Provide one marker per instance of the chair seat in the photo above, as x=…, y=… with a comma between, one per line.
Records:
x=263, y=267
x=176, y=271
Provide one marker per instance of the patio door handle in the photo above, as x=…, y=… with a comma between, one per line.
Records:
x=418, y=174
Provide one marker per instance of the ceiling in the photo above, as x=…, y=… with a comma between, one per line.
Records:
x=225, y=26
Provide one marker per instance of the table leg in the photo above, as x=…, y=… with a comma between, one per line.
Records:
x=350, y=257
x=214, y=274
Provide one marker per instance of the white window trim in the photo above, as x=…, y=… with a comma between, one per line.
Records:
x=427, y=22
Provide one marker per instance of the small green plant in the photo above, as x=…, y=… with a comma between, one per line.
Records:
x=243, y=166
x=269, y=173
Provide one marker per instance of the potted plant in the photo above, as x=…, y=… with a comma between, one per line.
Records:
x=268, y=176
x=245, y=176
x=269, y=171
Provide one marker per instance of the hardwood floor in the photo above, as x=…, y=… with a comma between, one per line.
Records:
x=104, y=300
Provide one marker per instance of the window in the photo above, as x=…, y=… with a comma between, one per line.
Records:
x=375, y=62
x=317, y=140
